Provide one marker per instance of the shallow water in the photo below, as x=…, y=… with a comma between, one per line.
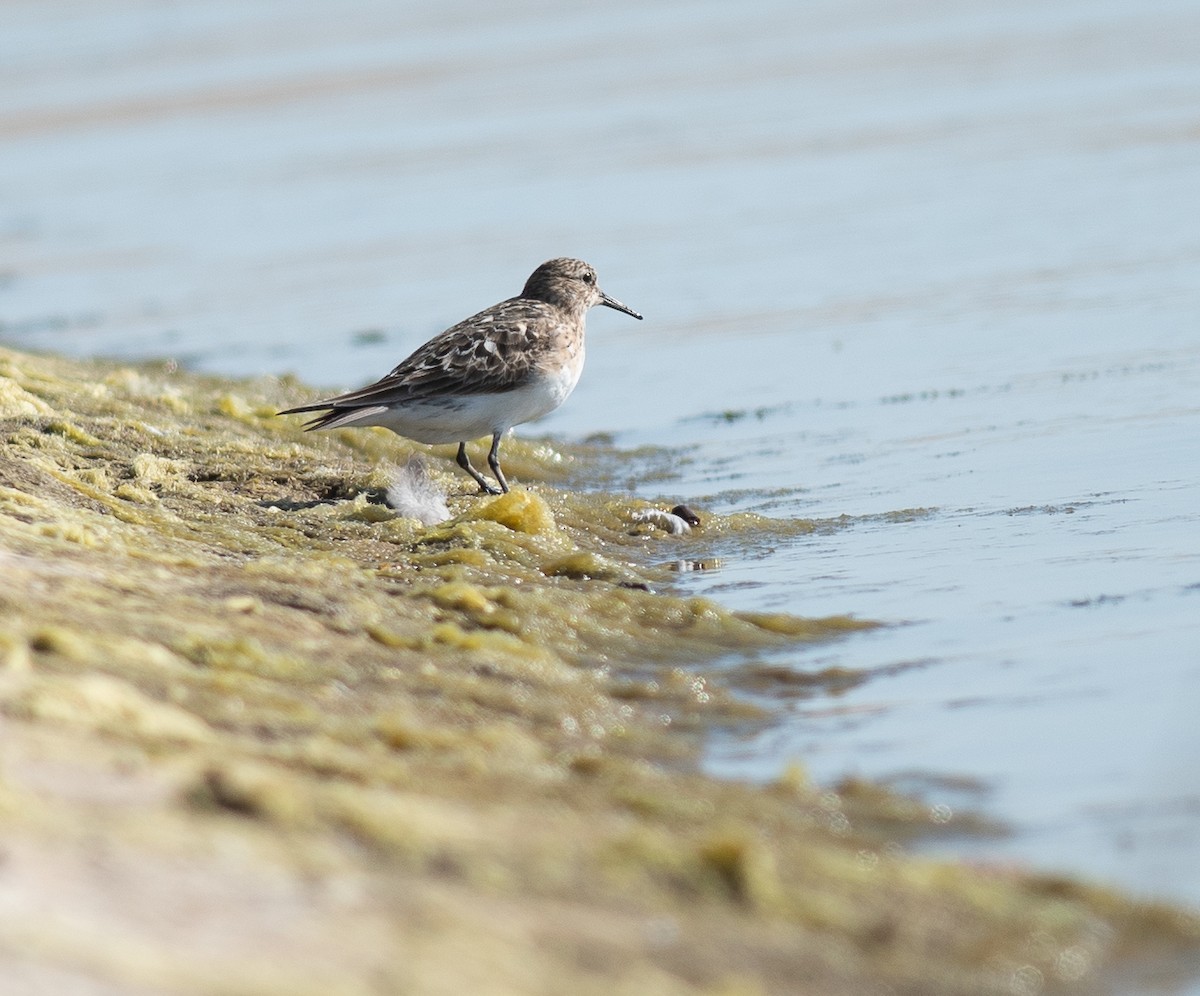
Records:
x=891, y=257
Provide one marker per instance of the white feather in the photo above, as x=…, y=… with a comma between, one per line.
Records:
x=415, y=495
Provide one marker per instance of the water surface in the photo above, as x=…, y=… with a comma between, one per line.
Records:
x=924, y=257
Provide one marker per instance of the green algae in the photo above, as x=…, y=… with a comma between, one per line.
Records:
x=447, y=758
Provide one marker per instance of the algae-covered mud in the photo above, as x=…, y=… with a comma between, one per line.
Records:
x=263, y=735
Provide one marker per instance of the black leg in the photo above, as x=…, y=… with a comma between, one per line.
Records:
x=494, y=461
x=465, y=463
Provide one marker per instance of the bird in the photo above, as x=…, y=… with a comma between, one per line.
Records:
x=511, y=363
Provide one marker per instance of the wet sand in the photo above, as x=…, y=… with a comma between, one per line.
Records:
x=263, y=736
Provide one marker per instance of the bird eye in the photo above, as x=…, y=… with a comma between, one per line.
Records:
x=589, y=278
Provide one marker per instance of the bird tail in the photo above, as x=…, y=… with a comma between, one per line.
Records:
x=335, y=418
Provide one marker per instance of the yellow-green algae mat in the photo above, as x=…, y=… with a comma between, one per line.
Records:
x=263, y=736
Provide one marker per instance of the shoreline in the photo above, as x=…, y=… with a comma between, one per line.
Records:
x=263, y=736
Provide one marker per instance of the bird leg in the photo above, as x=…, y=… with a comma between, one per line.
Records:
x=465, y=463
x=494, y=461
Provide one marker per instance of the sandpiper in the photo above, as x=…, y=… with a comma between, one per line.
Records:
x=512, y=362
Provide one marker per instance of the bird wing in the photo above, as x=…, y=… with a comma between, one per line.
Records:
x=491, y=352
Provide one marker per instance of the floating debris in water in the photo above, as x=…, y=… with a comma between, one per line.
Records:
x=414, y=494
x=677, y=522
x=685, y=513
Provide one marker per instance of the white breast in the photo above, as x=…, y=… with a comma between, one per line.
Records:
x=452, y=418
